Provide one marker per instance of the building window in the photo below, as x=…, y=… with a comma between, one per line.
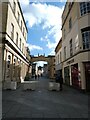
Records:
x=64, y=52
x=64, y=33
x=18, y=19
x=69, y=6
x=56, y=61
x=23, y=31
x=60, y=57
x=12, y=31
x=84, y=8
x=8, y=62
x=17, y=39
x=25, y=36
x=14, y=7
x=86, y=39
x=23, y=47
x=21, y=25
x=20, y=43
x=71, y=48
x=70, y=23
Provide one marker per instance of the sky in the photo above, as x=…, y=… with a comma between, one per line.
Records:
x=43, y=20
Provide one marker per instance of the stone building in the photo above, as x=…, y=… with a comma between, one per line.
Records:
x=76, y=44
x=13, y=37
x=51, y=66
x=58, y=58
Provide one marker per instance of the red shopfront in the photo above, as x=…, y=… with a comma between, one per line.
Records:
x=75, y=76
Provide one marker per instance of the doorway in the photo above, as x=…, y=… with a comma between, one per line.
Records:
x=87, y=75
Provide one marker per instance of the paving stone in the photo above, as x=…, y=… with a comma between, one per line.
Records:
x=52, y=115
x=37, y=115
x=69, y=103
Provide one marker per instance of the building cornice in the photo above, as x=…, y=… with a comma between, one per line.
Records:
x=59, y=45
x=22, y=14
x=11, y=43
x=82, y=51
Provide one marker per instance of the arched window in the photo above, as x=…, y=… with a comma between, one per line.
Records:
x=8, y=62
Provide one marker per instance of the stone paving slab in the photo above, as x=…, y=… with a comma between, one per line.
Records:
x=42, y=103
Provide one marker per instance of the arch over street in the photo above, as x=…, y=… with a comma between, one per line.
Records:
x=39, y=58
x=50, y=59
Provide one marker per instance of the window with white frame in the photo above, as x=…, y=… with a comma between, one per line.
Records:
x=18, y=19
x=86, y=39
x=23, y=47
x=8, y=61
x=64, y=33
x=70, y=23
x=23, y=31
x=20, y=43
x=65, y=53
x=84, y=8
x=56, y=60
x=14, y=7
x=71, y=48
x=12, y=31
x=21, y=25
x=16, y=38
x=60, y=58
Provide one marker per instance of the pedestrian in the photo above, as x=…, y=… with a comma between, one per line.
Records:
x=61, y=82
x=35, y=76
x=38, y=76
x=57, y=78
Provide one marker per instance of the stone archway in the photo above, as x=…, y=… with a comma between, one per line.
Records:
x=39, y=58
x=49, y=59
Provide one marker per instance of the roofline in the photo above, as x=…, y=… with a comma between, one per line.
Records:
x=22, y=14
x=67, y=13
x=58, y=43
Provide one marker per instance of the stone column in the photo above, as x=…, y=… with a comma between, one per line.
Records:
x=2, y=46
x=5, y=63
x=1, y=63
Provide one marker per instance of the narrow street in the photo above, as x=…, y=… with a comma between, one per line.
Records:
x=43, y=103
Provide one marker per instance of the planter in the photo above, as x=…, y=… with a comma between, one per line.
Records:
x=10, y=85
x=29, y=85
x=54, y=86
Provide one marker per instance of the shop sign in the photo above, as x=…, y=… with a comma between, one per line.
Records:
x=71, y=61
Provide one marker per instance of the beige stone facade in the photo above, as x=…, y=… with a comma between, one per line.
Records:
x=76, y=44
x=13, y=37
x=51, y=66
x=58, y=58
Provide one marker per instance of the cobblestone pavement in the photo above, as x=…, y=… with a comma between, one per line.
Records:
x=42, y=103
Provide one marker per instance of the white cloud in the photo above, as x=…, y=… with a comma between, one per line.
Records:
x=51, y=45
x=41, y=63
x=34, y=47
x=24, y=3
x=47, y=15
x=52, y=52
